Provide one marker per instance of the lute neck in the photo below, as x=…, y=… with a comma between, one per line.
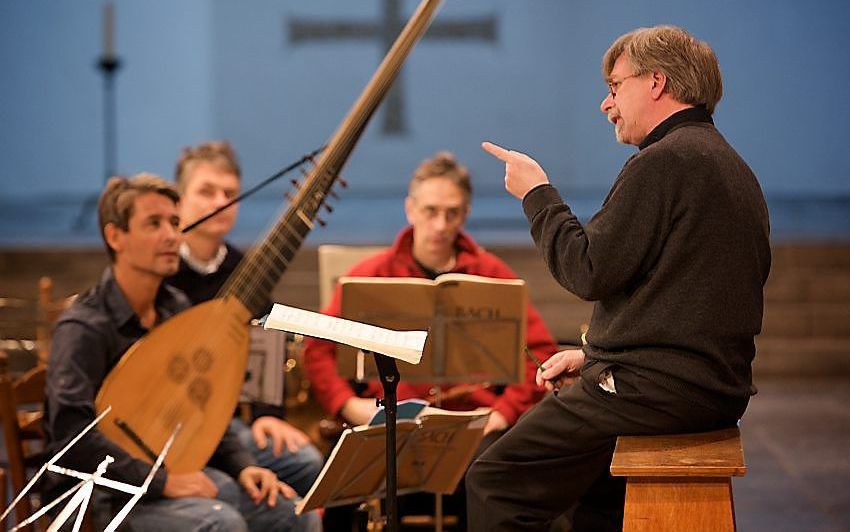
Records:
x=258, y=273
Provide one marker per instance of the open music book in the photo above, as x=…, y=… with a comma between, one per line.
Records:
x=407, y=409
x=403, y=345
x=476, y=325
x=433, y=450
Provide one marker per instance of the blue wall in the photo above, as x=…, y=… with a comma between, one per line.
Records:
x=197, y=69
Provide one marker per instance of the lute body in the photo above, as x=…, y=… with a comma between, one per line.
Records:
x=188, y=370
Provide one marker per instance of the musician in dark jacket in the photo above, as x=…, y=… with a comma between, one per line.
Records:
x=676, y=262
x=139, y=223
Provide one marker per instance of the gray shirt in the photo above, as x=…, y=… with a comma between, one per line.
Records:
x=88, y=340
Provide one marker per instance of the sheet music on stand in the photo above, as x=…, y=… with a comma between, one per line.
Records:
x=406, y=346
x=476, y=325
x=433, y=451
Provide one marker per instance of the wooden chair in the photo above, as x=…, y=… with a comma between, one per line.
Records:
x=334, y=262
x=22, y=428
x=22, y=401
x=49, y=310
x=3, y=491
x=681, y=481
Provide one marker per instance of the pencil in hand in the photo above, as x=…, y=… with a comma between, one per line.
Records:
x=530, y=355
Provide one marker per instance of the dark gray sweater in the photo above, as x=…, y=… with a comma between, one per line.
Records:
x=676, y=261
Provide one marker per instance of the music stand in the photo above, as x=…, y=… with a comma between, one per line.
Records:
x=388, y=371
x=394, y=344
x=432, y=452
x=476, y=328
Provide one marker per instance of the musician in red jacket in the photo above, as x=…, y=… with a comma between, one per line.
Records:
x=437, y=206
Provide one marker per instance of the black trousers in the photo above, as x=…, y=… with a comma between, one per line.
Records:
x=557, y=456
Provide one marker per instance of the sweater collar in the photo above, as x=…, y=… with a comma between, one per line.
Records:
x=201, y=266
x=691, y=114
x=467, y=249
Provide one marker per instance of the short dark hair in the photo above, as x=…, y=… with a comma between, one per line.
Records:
x=115, y=205
x=442, y=164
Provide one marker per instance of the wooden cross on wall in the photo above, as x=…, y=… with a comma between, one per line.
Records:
x=386, y=30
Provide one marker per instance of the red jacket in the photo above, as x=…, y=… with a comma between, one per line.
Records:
x=333, y=391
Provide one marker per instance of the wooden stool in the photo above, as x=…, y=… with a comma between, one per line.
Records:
x=679, y=482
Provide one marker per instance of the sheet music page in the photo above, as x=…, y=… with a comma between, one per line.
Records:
x=404, y=345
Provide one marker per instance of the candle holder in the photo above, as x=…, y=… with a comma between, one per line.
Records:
x=108, y=64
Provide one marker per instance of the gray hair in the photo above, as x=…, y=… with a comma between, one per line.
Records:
x=692, y=70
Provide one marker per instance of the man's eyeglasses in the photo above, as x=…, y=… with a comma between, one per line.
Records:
x=614, y=86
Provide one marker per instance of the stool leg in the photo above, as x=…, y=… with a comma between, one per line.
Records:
x=679, y=504
x=3, y=495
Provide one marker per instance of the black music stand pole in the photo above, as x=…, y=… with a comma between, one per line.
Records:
x=388, y=373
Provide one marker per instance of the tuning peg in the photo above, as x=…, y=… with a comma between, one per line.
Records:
x=295, y=183
x=333, y=194
x=287, y=195
x=321, y=222
x=342, y=182
x=328, y=207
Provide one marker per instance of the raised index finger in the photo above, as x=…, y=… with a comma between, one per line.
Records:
x=496, y=151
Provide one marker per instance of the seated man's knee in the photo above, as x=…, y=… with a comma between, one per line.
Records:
x=229, y=490
x=310, y=522
x=223, y=518
x=472, y=480
x=299, y=469
x=192, y=514
x=280, y=518
x=311, y=459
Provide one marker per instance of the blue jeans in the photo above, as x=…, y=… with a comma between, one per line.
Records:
x=299, y=469
x=231, y=510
